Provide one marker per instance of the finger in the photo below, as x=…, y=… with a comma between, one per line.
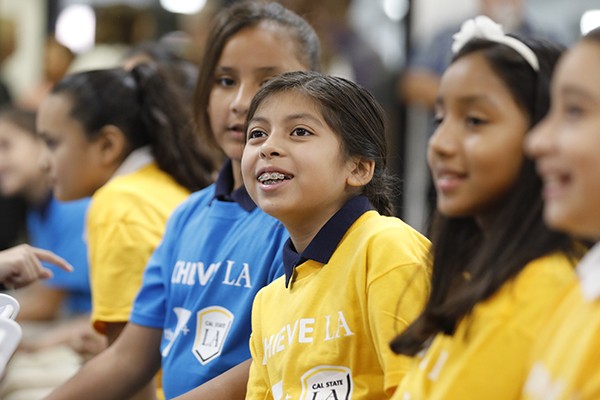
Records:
x=48, y=256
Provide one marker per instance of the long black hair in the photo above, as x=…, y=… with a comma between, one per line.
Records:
x=468, y=268
x=148, y=110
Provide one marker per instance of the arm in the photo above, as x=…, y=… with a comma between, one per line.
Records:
x=40, y=302
x=76, y=333
x=118, y=372
x=230, y=385
x=21, y=265
x=258, y=385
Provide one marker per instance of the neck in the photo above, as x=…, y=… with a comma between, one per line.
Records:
x=38, y=193
x=236, y=167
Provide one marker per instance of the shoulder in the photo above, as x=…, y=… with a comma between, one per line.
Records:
x=377, y=230
x=545, y=274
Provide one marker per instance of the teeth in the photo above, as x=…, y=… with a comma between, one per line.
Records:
x=271, y=176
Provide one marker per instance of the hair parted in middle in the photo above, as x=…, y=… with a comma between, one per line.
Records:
x=230, y=21
x=518, y=236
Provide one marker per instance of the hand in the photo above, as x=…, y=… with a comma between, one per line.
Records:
x=21, y=265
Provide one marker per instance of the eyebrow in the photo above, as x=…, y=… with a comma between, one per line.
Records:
x=263, y=70
x=467, y=100
x=578, y=91
x=289, y=118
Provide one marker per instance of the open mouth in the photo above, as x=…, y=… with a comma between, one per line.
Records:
x=271, y=178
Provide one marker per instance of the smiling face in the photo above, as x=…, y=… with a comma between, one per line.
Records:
x=293, y=164
x=20, y=152
x=475, y=154
x=73, y=160
x=249, y=58
x=566, y=143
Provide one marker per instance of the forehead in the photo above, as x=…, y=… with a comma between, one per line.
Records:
x=260, y=46
x=54, y=115
x=471, y=76
x=289, y=102
x=580, y=66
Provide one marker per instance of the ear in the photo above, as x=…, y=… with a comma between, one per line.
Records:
x=111, y=143
x=361, y=172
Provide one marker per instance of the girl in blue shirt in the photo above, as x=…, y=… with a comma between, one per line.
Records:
x=192, y=315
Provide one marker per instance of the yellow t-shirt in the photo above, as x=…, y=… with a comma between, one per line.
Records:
x=487, y=356
x=327, y=335
x=566, y=357
x=126, y=221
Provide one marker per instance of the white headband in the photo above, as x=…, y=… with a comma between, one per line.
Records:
x=482, y=27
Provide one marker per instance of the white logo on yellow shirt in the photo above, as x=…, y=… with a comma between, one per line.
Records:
x=303, y=330
x=212, y=328
x=540, y=385
x=327, y=382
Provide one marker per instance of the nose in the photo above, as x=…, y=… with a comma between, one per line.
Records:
x=271, y=147
x=44, y=159
x=540, y=140
x=443, y=141
x=242, y=99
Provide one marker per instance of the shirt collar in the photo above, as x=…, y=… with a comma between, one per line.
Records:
x=224, y=189
x=327, y=239
x=135, y=161
x=589, y=273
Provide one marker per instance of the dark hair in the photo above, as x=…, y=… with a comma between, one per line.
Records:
x=229, y=22
x=593, y=35
x=20, y=117
x=147, y=110
x=352, y=113
x=468, y=268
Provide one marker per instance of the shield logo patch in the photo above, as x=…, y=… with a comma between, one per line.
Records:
x=212, y=327
x=327, y=382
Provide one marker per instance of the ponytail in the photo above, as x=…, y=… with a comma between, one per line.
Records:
x=145, y=106
x=169, y=129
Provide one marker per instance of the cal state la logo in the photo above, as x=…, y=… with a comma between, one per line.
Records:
x=327, y=382
x=212, y=327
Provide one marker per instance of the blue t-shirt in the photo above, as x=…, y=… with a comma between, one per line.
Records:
x=59, y=227
x=217, y=252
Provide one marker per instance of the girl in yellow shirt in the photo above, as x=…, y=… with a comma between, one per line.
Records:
x=496, y=268
x=565, y=359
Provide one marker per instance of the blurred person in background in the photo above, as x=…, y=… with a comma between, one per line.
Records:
x=54, y=313
x=57, y=60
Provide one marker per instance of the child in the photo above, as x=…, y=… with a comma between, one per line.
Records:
x=565, y=146
x=51, y=225
x=59, y=306
x=219, y=249
x=122, y=137
x=496, y=267
x=315, y=159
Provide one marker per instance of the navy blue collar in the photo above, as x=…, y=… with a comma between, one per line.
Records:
x=327, y=239
x=224, y=189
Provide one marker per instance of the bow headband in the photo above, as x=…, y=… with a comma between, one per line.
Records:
x=482, y=27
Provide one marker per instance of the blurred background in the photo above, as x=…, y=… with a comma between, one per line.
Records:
x=377, y=43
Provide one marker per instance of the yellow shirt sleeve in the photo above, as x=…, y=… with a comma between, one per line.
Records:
x=258, y=382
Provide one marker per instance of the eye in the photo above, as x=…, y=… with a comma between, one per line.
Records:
x=474, y=122
x=225, y=81
x=573, y=111
x=256, y=133
x=51, y=144
x=301, y=132
x=437, y=120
